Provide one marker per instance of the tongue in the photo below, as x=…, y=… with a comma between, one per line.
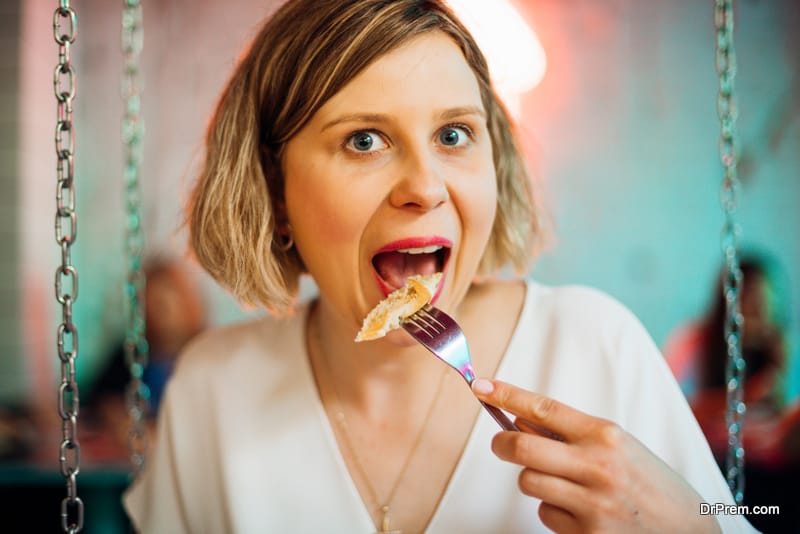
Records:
x=395, y=267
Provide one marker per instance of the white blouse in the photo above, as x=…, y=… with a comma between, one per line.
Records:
x=244, y=444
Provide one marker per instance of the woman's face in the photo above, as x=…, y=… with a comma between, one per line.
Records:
x=393, y=176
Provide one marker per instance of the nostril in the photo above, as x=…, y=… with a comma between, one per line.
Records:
x=427, y=200
x=420, y=190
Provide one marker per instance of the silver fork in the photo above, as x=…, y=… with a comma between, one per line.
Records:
x=441, y=335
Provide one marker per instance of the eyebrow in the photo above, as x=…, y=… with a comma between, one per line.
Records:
x=380, y=118
x=464, y=110
x=357, y=117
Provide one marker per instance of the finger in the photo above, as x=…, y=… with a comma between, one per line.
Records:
x=557, y=491
x=557, y=519
x=530, y=428
x=542, y=454
x=539, y=410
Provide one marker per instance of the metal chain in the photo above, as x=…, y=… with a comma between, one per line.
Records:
x=136, y=347
x=732, y=274
x=66, y=229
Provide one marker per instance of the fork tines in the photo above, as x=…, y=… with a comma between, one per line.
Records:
x=426, y=321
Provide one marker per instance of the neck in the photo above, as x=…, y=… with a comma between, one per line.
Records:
x=373, y=377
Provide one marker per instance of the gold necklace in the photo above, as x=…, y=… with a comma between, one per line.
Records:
x=340, y=418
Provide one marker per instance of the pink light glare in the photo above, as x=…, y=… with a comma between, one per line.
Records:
x=516, y=58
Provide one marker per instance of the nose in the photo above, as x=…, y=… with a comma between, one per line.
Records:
x=420, y=186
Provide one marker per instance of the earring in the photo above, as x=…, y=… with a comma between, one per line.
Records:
x=286, y=237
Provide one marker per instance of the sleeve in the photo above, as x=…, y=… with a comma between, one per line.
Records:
x=657, y=413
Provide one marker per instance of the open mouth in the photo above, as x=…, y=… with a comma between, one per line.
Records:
x=395, y=262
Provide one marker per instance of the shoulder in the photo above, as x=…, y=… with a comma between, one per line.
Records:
x=261, y=342
x=576, y=308
x=581, y=306
x=581, y=327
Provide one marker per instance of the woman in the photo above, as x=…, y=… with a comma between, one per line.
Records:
x=361, y=142
x=697, y=355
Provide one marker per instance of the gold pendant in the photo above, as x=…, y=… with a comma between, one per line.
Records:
x=385, y=523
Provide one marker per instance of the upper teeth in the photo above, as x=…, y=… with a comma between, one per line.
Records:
x=420, y=250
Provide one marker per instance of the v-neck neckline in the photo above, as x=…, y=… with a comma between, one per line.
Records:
x=332, y=445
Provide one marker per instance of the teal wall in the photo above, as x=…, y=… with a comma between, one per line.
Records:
x=629, y=157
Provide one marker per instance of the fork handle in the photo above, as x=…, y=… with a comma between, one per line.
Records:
x=499, y=416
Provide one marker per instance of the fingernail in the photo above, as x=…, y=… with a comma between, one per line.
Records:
x=482, y=386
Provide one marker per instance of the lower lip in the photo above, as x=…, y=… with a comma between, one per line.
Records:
x=385, y=288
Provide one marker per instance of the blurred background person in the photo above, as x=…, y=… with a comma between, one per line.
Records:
x=697, y=355
x=174, y=314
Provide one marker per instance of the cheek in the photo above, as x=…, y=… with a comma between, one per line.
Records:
x=481, y=221
x=486, y=210
x=322, y=218
x=480, y=201
x=318, y=209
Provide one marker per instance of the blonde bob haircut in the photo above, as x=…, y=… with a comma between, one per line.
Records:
x=302, y=56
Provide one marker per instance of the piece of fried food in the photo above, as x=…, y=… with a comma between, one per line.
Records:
x=398, y=305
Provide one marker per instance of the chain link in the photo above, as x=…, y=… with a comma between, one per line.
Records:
x=732, y=274
x=136, y=347
x=65, y=27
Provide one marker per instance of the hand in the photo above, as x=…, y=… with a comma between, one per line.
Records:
x=594, y=477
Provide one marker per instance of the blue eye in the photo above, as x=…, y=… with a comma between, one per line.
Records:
x=362, y=141
x=365, y=141
x=453, y=135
